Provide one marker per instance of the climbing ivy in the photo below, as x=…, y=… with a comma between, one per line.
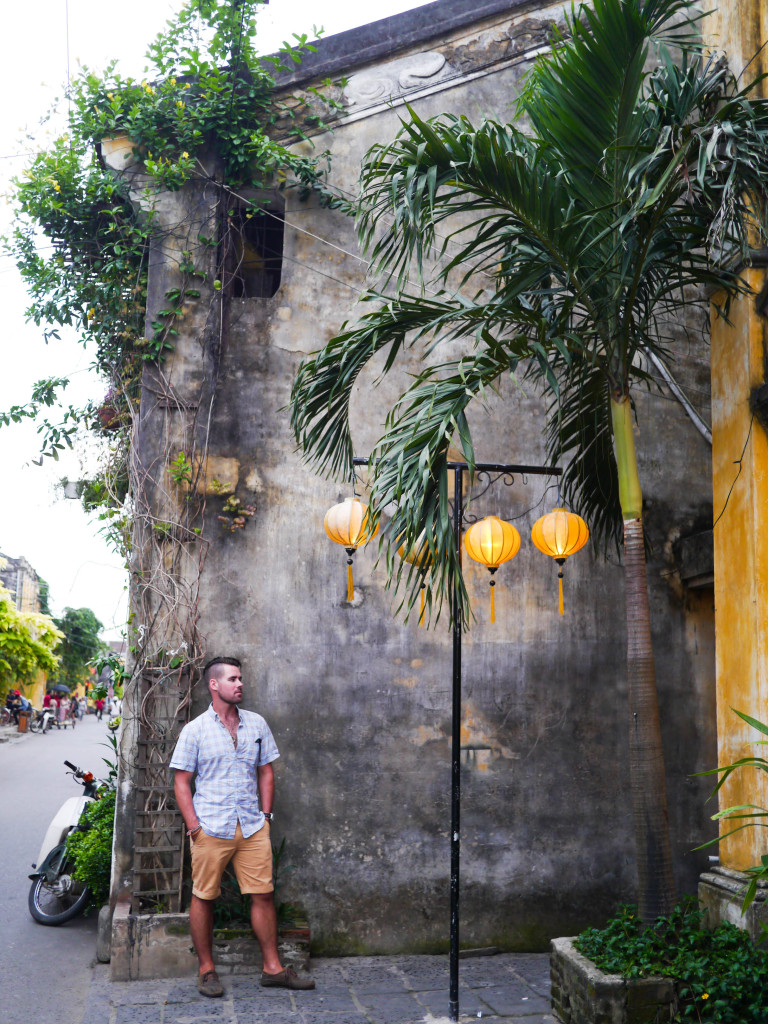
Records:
x=82, y=246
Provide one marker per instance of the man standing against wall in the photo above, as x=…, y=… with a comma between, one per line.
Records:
x=229, y=753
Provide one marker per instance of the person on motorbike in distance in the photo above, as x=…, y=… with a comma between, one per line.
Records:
x=13, y=703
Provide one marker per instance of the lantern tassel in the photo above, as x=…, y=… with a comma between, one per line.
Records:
x=421, y=615
x=493, y=601
x=350, y=583
x=560, y=588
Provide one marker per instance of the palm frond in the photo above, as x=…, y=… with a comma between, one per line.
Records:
x=635, y=195
x=322, y=388
x=580, y=438
x=582, y=97
x=409, y=477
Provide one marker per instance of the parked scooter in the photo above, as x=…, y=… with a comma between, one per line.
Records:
x=55, y=897
x=42, y=720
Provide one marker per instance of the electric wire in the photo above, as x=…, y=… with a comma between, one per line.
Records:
x=740, y=463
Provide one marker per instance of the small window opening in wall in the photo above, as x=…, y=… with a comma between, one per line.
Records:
x=256, y=252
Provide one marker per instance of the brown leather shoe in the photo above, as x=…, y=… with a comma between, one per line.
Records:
x=208, y=984
x=286, y=979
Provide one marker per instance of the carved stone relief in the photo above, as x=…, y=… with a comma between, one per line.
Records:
x=395, y=78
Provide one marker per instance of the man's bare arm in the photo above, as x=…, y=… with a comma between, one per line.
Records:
x=182, y=788
x=266, y=778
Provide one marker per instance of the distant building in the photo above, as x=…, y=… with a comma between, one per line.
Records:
x=18, y=576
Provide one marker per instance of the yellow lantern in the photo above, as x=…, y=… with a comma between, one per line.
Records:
x=419, y=554
x=560, y=534
x=491, y=542
x=347, y=523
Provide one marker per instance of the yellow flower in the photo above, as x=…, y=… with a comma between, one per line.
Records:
x=173, y=81
x=185, y=155
x=179, y=104
x=186, y=85
x=110, y=96
x=91, y=314
x=705, y=995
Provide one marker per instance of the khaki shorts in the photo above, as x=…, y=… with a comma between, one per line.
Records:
x=251, y=860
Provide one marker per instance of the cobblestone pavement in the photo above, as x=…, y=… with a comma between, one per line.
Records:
x=352, y=990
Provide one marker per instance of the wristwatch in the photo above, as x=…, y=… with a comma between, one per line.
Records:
x=269, y=815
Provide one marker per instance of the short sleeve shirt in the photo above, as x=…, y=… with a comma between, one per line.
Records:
x=226, y=789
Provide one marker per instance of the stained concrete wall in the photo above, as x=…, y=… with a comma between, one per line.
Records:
x=359, y=701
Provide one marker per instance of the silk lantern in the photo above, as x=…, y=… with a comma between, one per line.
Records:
x=418, y=554
x=560, y=534
x=348, y=523
x=492, y=542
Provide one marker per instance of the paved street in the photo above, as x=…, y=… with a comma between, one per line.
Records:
x=45, y=973
x=352, y=990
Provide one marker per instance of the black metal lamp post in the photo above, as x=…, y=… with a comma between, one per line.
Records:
x=459, y=469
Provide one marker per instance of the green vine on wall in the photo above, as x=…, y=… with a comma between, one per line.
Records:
x=206, y=87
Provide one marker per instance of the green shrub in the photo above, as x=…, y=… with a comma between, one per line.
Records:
x=720, y=976
x=90, y=847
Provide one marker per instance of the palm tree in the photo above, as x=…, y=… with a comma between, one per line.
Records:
x=629, y=196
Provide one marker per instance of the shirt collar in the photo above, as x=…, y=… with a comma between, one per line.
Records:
x=214, y=714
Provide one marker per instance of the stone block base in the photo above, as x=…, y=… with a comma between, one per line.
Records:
x=150, y=946
x=582, y=994
x=721, y=892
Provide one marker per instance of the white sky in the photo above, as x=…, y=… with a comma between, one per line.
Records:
x=53, y=533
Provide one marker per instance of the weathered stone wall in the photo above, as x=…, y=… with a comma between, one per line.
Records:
x=359, y=701
x=148, y=946
x=583, y=994
x=721, y=896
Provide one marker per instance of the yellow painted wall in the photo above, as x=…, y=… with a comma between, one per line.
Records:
x=741, y=559
x=36, y=691
x=740, y=27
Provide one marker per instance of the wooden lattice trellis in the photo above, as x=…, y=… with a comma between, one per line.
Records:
x=158, y=854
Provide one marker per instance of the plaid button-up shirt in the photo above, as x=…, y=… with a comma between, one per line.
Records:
x=226, y=789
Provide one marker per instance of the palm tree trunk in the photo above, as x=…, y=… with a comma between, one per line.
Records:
x=656, y=889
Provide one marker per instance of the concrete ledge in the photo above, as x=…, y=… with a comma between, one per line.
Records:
x=721, y=892
x=154, y=946
x=583, y=994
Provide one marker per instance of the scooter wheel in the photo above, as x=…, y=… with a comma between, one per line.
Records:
x=53, y=903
